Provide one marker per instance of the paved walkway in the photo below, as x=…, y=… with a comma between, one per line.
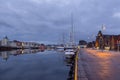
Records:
x=98, y=65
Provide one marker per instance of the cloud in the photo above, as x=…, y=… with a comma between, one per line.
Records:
x=116, y=15
x=45, y=20
x=5, y=24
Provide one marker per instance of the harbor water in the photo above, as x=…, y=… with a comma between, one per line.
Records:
x=33, y=65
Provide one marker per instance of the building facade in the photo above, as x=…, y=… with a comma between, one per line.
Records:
x=5, y=41
x=108, y=42
x=82, y=44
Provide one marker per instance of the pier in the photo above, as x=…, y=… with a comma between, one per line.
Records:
x=79, y=72
x=93, y=64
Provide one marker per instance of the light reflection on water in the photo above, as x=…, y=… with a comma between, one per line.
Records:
x=32, y=65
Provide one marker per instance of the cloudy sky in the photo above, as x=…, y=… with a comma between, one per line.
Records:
x=46, y=20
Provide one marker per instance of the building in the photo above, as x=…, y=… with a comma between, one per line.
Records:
x=13, y=44
x=91, y=44
x=18, y=44
x=5, y=41
x=82, y=44
x=108, y=42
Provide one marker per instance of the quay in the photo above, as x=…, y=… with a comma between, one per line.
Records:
x=79, y=72
x=97, y=65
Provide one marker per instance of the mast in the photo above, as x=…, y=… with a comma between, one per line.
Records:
x=63, y=39
x=72, y=31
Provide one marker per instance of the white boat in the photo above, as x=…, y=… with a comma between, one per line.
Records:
x=71, y=43
x=70, y=46
x=69, y=53
x=59, y=47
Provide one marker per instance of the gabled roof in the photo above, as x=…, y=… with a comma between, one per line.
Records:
x=5, y=37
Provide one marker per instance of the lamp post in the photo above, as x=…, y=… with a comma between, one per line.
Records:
x=103, y=29
x=92, y=42
x=118, y=45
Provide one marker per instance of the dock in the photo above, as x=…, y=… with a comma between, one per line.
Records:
x=91, y=64
x=79, y=72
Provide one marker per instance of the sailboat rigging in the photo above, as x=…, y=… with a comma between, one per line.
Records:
x=70, y=47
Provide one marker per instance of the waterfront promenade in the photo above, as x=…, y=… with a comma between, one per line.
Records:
x=98, y=65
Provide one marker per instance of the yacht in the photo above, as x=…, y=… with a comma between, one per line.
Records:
x=69, y=53
x=70, y=47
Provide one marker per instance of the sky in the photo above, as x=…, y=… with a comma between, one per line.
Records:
x=45, y=21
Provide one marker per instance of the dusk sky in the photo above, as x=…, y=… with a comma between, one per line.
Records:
x=46, y=20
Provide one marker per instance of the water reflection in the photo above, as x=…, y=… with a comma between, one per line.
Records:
x=32, y=65
x=70, y=63
x=5, y=54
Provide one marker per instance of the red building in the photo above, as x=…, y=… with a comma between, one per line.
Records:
x=107, y=41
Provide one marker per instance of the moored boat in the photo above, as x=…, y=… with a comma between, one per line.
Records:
x=69, y=53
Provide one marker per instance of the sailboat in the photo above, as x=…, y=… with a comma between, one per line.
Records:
x=70, y=47
x=61, y=46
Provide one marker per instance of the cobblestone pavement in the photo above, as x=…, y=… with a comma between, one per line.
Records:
x=98, y=65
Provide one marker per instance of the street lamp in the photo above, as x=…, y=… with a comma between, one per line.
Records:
x=118, y=42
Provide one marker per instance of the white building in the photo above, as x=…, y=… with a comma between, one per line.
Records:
x=5, y=41
x=13, y=44
x=26, y=45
